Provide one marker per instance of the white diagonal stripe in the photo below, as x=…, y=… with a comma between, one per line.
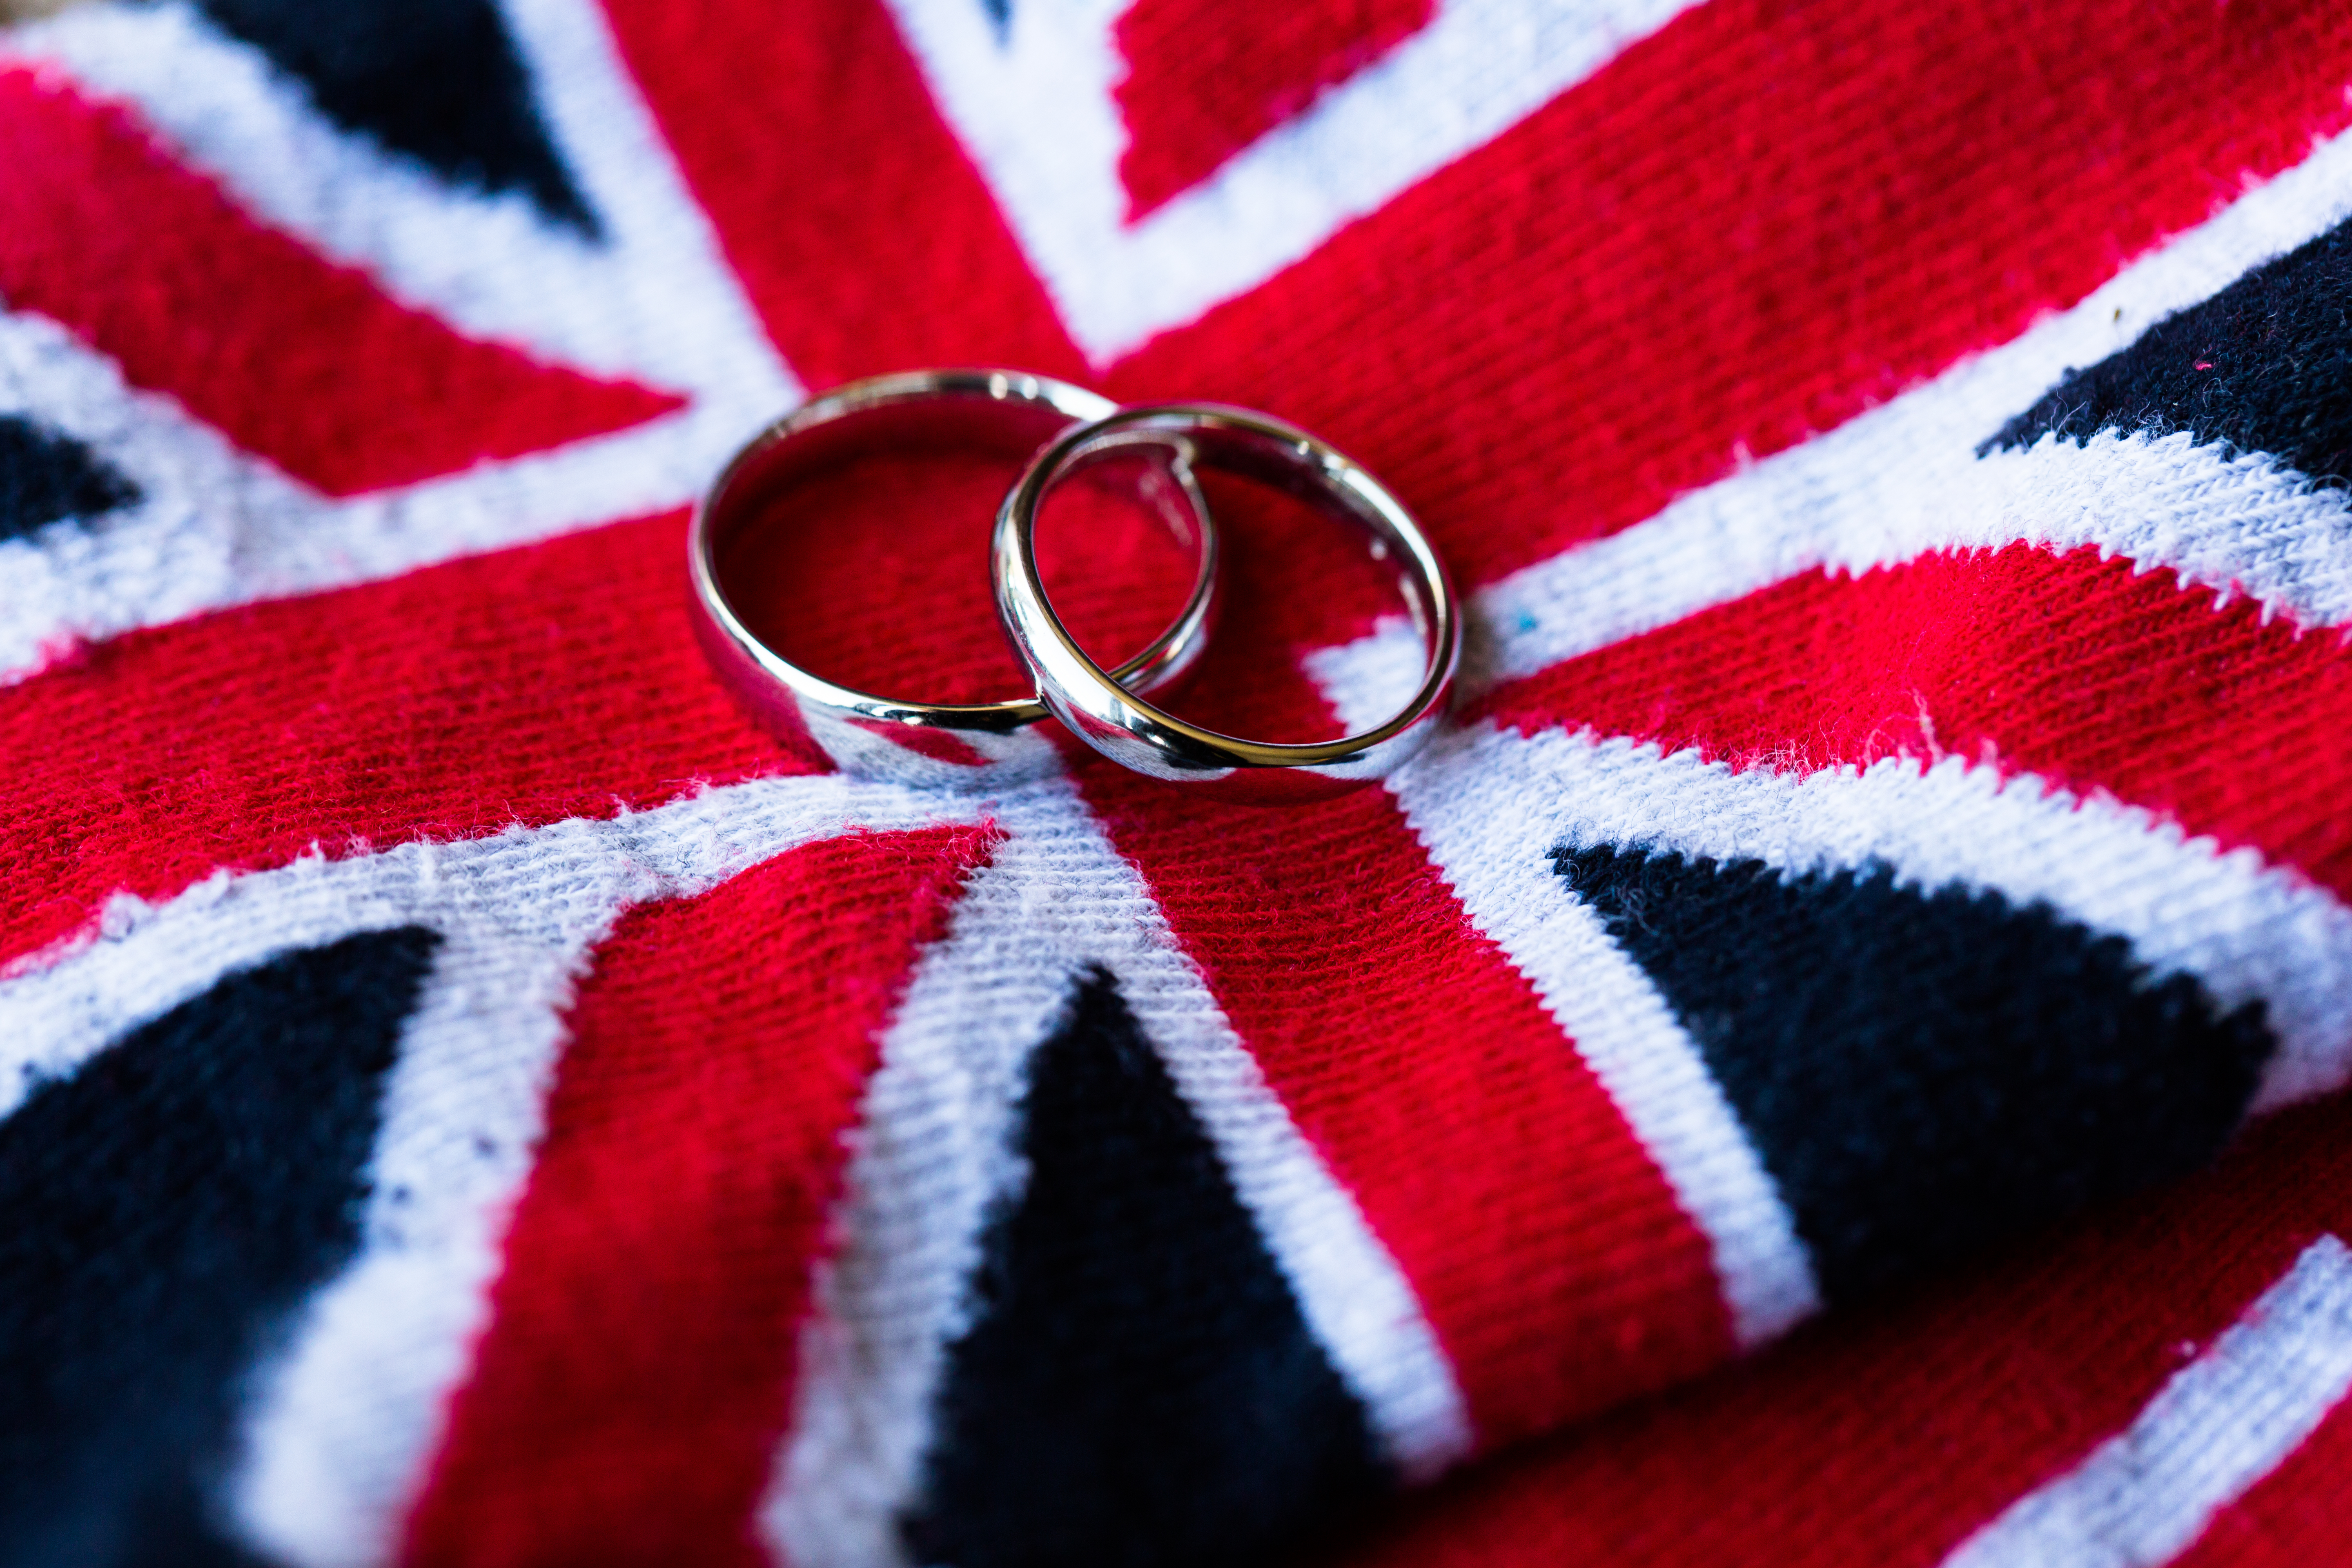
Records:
x=217, y=528
x=934, y=1152
x=1904, y=478
x=1490, y=805
x=650, y=299
x=2248, y=931
x=1488, y=811
x=2221, y=1423
x=342, y=1423
x=1036, y=112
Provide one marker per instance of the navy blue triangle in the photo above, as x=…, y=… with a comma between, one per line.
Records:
x=46, y=478
x=1923, y=1073
x=168, y=1207
x=2264, y=365
x=1138, y=1387
x=439, y=80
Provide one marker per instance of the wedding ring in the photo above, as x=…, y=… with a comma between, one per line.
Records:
x=1122, y=726
x=965, y=745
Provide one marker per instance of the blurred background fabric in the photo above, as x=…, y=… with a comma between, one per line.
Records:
x=1832, y=1058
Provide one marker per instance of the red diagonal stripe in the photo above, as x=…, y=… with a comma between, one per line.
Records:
x=1546, y=1248
x=2089, y=673
x=859, y=227
x=625, y=1404
x=1884, y=1439
x=1204, y=80
x=553, y=681
x=1750, y=227
x=303, y=362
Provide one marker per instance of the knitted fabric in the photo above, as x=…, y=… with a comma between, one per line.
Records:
x=1832, y=1057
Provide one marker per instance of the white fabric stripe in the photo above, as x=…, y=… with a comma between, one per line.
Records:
x=1035, y=110
x=189, y=544
x=1356, y=1300
x=2247, y=931
x=1899, y=481
x=654, y=300
x=1485, y=813
x=1490, y=805
x=146, y=959
x=2221, y=1423
x=218, y=528
x=934, y=1152
x=340, y=1427
x=340, y=1433
x=931, y=1152
x=682, y=314
x=1904, y=478
x=651, y=300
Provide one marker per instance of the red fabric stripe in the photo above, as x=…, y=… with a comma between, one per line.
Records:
x=626, y=1401
x=536, y=684
x=1886, y=1436
x=1205, y=80
x=1546, y=1248
x=2084, y=671
x=292, y=357
x=1750, y=226
x=861, y=232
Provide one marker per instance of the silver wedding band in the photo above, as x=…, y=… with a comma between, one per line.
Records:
x=1070, y=430
x=1122, y=726
x=932, y=744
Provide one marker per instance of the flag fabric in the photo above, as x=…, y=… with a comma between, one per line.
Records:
x=1831, y=1058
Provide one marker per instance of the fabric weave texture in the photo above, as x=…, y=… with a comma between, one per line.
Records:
x=1833, y=1057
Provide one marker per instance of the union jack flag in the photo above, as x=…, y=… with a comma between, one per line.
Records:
x=466, y=1096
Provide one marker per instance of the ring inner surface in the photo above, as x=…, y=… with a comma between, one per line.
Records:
x=1306, y=570
x=858, y=549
